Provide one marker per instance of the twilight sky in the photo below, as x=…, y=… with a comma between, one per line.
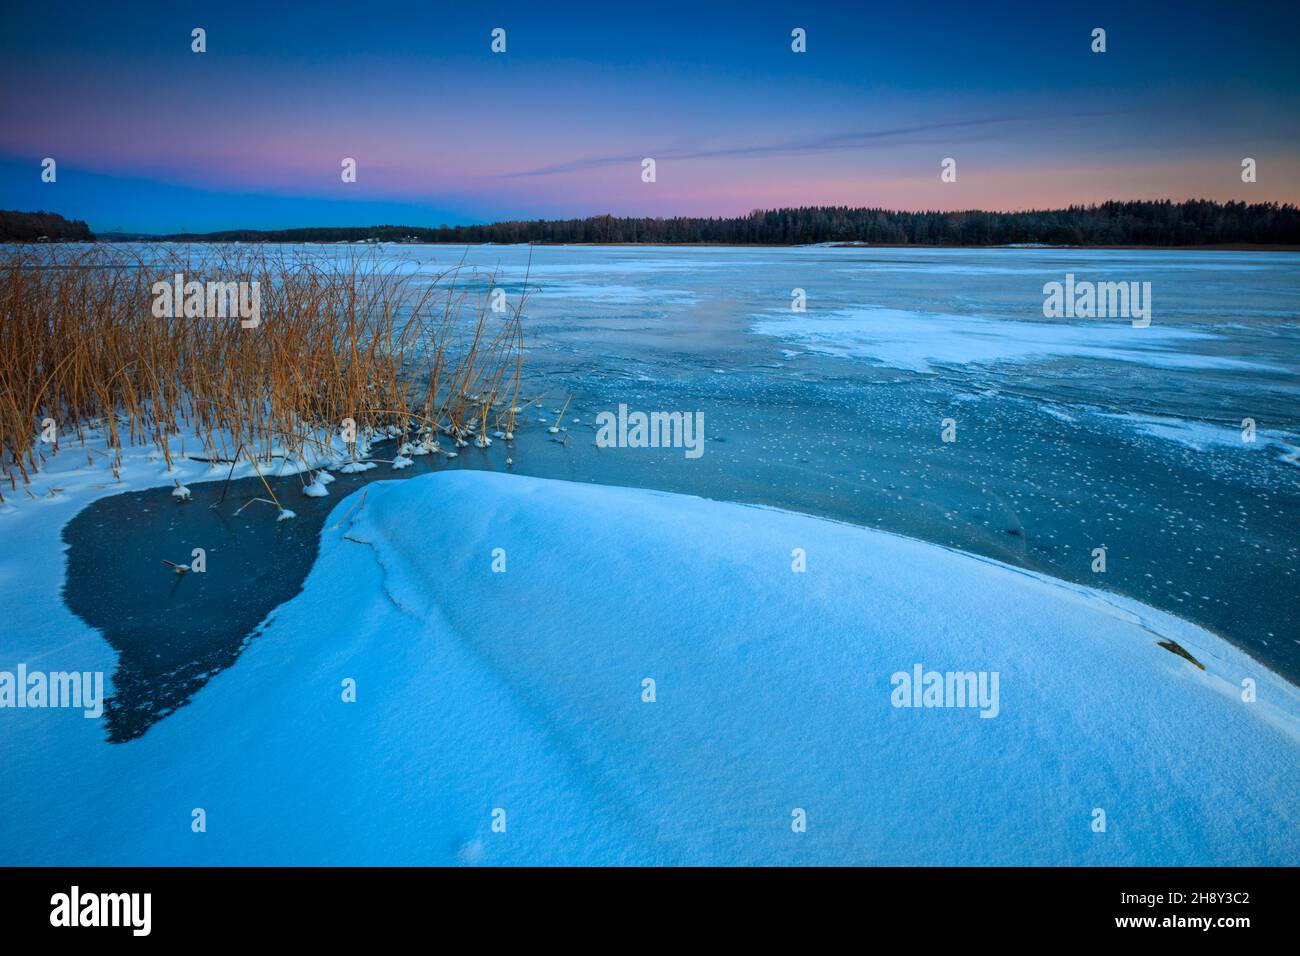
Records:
x=152, y=137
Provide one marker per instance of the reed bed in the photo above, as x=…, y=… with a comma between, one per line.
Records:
x=349, y=346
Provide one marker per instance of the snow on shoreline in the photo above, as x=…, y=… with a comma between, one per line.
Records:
x=522, y=690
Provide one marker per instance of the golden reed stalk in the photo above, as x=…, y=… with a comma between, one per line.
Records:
x=343, y=335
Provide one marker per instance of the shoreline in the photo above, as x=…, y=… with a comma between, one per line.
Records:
x=78, y=555
x=1221, y=247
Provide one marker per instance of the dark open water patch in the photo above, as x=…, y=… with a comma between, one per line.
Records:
x=174, y=632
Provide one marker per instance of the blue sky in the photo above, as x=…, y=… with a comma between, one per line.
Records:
x=150, y=136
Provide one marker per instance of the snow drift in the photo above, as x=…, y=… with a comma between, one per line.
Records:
x=500, y=631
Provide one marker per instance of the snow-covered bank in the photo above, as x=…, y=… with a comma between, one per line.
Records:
x=522, y=690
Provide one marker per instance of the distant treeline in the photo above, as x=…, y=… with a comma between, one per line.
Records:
x=34, y=226
x=1154, y=223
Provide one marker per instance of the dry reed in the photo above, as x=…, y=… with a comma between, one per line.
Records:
x=351, y=337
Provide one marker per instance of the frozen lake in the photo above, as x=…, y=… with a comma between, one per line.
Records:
x=364, y=684
x=1070, y=435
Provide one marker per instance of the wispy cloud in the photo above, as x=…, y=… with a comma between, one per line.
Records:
x=894, y=136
